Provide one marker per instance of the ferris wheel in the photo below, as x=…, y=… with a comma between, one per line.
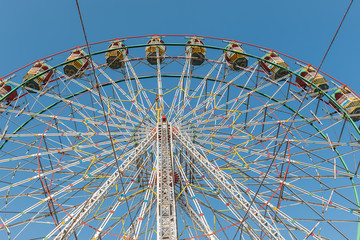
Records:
x=177, y=137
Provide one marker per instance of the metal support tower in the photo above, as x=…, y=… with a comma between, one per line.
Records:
x=166, y=207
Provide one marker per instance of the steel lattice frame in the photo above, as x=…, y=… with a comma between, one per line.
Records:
x=237, y=155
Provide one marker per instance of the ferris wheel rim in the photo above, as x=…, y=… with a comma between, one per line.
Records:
x=174, y=35
x=273, y=99
x=333, y=101
x=153, y=76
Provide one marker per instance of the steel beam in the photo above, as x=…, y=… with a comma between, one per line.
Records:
x=166, y=207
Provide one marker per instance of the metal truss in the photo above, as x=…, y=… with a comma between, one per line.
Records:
x=216, y=173
x=77, y=217
x=166, y=206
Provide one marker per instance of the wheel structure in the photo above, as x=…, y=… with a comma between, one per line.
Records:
x=165, y=149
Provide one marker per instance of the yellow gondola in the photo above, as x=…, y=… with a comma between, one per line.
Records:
x=236, y=61
x=196, y=53
x=155, y=50
x=347, y=100
x=275, y=72
x=75, y=69
x=309, y=74
x=114, y=58
x=39, y=82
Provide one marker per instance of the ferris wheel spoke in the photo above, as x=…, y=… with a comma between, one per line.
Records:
x=226, y=201
x=52, y=95
x=119, y=220
x=234, y=107
x=27, y=215
x=77, y=217
x=280, y=212
x=226, y=89
x=65, y=151
x=41, y=214
x=62, y=190
x=139, y=85
x=60, y=132
x=230, y=220
x=160, y=108
x=132, y=233
x=178, y=92
x=187, y=208
x=186, y=100
x=318, y=214
x=192, y=214
x=140, y=108
x=109, y=102
x=134, y=230
x=124, y=193
x=310, y=138
x=304, y=192
x=211, y=169
x=211, y=111
x=282, y=160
